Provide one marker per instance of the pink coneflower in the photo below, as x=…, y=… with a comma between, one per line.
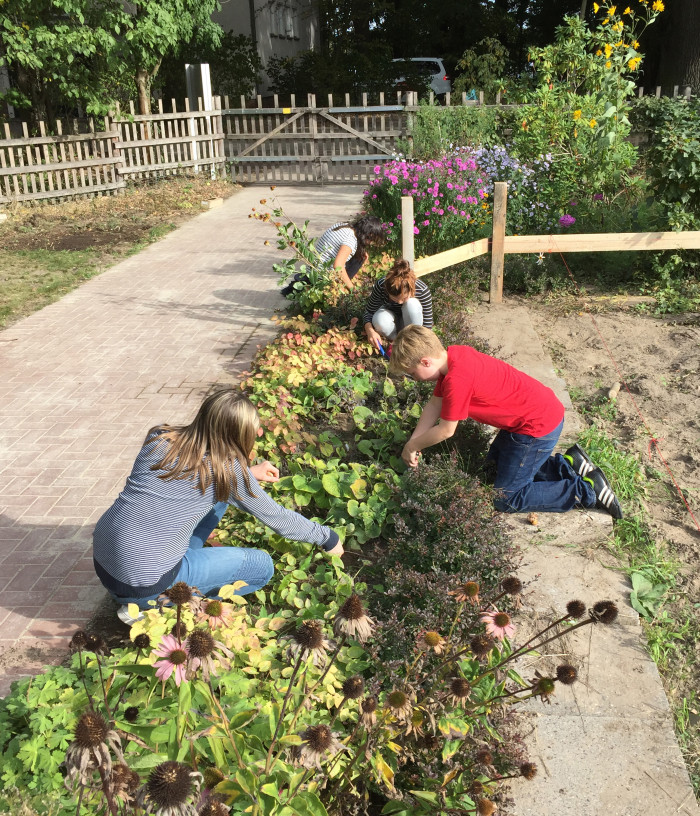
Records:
x=498, y=624
x=215, y=613
x=174, y=656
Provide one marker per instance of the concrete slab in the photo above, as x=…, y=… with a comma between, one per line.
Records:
x=603, y=766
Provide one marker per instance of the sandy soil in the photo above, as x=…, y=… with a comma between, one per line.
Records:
x=659, y=360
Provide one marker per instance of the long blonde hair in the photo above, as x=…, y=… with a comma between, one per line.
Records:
x=225, y=429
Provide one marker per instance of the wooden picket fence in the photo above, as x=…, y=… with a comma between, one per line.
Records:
x=323, y=141
x=500, y=244
x=129, y=147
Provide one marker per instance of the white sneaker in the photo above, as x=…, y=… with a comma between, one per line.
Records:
x=125, y=617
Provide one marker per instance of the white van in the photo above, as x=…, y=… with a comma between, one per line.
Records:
x=433, y=69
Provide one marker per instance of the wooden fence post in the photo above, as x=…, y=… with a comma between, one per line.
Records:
x=500, y=201
x=407, y=238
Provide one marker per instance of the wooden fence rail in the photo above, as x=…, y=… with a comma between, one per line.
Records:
x=500, y=244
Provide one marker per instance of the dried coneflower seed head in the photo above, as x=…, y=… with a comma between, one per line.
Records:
x=309, y=635
x=476, y=788
x=142, y=641
x=123, y=778
x=318, y=737
x=430, y=742
x=179, y=631
x=485, y=807
x=484, y=756
x=201, y=643
x=566, y=674
x=369, y=705
x=604, y=612
x=432, y=639
x=352, y=609
x=169, y=785
x=528, y=770
x=213, y=608
x=481, y=645
x=353, y=687
x=212, y=776
x=96, y=644
x=179, y=593
x=91, y=730
x=397, y=699
x=460, y=688
x=214, y=807
x=79, y=640
x=512, y=585
x=576, y=609
x=131, y=714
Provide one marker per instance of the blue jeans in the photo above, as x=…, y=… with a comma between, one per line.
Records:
x=210, y=569
x=529, y=478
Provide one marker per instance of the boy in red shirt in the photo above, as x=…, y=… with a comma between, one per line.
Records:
x=529, y=417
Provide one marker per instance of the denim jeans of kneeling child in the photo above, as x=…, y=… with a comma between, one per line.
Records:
x=529, y=478
x=211, y=568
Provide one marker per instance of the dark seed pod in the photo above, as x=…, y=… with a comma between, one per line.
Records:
x=179, y=594
x=460, y=688
x=353, y=687
x=169, y=785
x=576, y=609
x=318, y=737
x=201, y=643
x=481, y=645
x=142, y=641
x=352, y=609
x=309, y=635
x=528, y=770
x=566, y=674
x=484, y=756
x=179, y=631
x=79, y=640
x=131, y=714
x=604, y=612
x=91, y=730
x=512, y=585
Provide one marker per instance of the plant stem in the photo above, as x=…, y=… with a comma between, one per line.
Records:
x=288, y=694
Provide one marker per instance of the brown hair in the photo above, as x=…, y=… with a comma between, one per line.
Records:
x=411, y=345
x=224, y=429
x=400, y=280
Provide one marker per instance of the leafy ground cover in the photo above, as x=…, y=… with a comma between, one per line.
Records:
x=49, y=249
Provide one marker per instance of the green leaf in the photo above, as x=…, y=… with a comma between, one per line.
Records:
x=331, y=484
x=389, y=388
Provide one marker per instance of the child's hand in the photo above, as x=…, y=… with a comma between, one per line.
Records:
x=337, y=550
x=265, y=472
x=410, y=457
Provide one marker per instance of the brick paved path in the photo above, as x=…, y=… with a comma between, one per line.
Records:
x=84, y=379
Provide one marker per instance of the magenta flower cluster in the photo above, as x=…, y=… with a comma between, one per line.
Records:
x=448, y=195
x=567, y=220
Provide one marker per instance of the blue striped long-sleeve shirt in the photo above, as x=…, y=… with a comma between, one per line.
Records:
x=378, y=299
x=145, y=533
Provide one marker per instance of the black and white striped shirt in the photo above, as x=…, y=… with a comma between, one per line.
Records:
x=378, y=299
x=145, y=533
x=329, y=244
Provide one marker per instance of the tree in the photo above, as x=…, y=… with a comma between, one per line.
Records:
x=64, y=53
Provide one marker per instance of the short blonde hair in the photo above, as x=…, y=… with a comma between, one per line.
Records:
x=411, y=346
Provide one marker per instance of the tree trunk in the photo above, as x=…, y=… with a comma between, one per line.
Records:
x=143, y=84
x=680, y=47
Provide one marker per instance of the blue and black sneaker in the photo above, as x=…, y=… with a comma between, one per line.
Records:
x=604, y=495
x=579, y=460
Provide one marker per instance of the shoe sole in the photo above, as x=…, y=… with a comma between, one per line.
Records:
x=125, y=617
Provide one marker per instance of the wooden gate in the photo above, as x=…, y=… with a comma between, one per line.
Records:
x=312, y=144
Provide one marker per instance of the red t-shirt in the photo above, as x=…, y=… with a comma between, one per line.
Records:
x=491, y=391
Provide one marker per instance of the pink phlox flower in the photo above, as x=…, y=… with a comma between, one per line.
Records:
x=498, y=624
x=567, y=220
x=174, y=656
